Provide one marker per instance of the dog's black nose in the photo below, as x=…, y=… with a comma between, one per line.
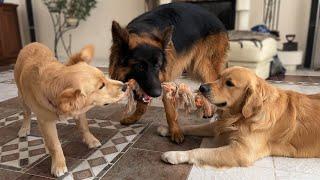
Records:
x=124, y=88
x=204, y=88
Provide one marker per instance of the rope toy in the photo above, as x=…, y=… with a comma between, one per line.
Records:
x=179, y=95
x=133, y=87
x=204, y=108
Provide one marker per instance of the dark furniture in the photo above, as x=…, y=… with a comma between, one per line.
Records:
x=225, y=10
x=311, y=33
x=10, y=41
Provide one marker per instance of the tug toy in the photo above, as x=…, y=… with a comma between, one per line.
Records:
x=180, y=95
x=204, y=108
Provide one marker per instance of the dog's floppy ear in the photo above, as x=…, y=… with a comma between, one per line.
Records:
x=167, y=36
x=87, y=53
x=120, y=35
x=253, y=101
x=70, y=100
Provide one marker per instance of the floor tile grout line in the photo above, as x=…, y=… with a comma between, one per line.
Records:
x=45, y=157
x=39, y=175
x=274, y=168
x=18, y=111
x=121, y=154
x=148, y=150
x=37, y=162
x=112, y=164
x=142, y=132
x=10, y=170
x=190, y=171
x=131, y=147
x=202, y=139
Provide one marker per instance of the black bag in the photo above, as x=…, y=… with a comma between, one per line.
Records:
x=290, y=45
x=276, y=67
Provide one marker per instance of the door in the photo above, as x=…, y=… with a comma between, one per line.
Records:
x=316, y=44
x=9, y=32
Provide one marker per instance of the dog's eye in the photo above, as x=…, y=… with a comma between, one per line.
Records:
x=102, y=86
x=157, y=66
x=229, y=83
x=139, y=67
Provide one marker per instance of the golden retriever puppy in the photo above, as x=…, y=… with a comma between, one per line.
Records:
x=256, y=120
x=56, y=91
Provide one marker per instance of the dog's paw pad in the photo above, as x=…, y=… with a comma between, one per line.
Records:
x=163, y=131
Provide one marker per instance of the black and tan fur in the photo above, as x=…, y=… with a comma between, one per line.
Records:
x=159, y=45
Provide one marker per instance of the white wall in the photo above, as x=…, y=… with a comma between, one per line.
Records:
x=294, y=18
x=95, y=30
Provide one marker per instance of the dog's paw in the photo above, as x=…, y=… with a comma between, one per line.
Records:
x=163, y=131
x=91, y=141
x=24, y=131
x=175, y=157
x=177, y=136
x=58, y=168
x=128, y=121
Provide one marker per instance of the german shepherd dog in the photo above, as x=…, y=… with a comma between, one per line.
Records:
x=159, y=45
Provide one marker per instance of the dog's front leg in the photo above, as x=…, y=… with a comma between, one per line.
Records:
x=49, y=132
x=141, y=108
x=172, y=119
x=87, y=137
x=206, y=129
x=233, y=155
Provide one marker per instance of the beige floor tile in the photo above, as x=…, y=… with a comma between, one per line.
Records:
x=244, y=173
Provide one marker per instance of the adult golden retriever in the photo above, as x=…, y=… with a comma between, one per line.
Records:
x=54, y=91
x=256, y=119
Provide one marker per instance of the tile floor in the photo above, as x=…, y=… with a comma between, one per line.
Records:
x=130, y=152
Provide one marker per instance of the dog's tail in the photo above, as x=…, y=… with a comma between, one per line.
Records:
x=85, y=55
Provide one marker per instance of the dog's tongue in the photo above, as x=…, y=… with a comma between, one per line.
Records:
x=146, y=98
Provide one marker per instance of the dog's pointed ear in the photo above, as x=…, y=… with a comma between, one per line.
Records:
x=253, y=101
x=167, y=36
x=119, y=35
x=70, y=100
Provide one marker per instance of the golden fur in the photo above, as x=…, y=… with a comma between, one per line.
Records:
x=204, y=61
x=259, y=120
x=56, y=91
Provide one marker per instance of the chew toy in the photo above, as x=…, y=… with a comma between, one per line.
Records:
x=179, y=94
x=204, y=108
x=132, y=86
